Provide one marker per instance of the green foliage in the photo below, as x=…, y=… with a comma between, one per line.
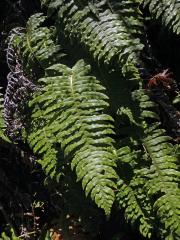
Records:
x=147, y=193
x=167, y=10
x=38, y=48
x=68, y=122
x=74, y=118
x=2, y=122
x=108, y=37
x=12, y=237
x=163, y=180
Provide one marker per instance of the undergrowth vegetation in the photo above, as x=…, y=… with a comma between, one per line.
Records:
x=88, y=103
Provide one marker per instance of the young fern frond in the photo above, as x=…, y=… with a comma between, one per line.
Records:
x=71, y=113
x=167, y=11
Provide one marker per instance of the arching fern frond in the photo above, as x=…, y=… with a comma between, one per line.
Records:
x=70, y=112
x=108, y=37
x=167, y=11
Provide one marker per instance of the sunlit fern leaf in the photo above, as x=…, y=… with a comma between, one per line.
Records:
x=70, y=111
x=37, y=45
x=164, y=179
x=107, y=37
x=167, y=10
x=41, y=139
x=129, y=13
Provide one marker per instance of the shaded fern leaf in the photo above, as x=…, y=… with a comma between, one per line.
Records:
x=72, y=106
x=167, y=10
x=161, y=174
x=130, y=197
x=146, y=106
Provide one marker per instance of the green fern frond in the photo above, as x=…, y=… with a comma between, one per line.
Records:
x=164, y=178
x=130, y=197
x=161, y=174
x=167, y=10
x=137, y=210
x=70, y=111
x=107, y=37
x=37, y=45
x=129, y=13
x=154, y=182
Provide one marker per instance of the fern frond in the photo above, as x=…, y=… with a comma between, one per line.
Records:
x=37, y=45
x=107, y=37
x=167, y=10
x=164, y=178
x=130, y=197
x=70, y=111
x=161, y=172
x=156, y=179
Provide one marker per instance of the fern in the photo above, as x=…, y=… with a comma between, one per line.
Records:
x=67, y=122
x=130, y=197
x=167, y=10
x=154, y=173
x=38, y=49
x=74, y=118
x=163, y=180
x=161, y=174
x=2, y=122
x=107, y=37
